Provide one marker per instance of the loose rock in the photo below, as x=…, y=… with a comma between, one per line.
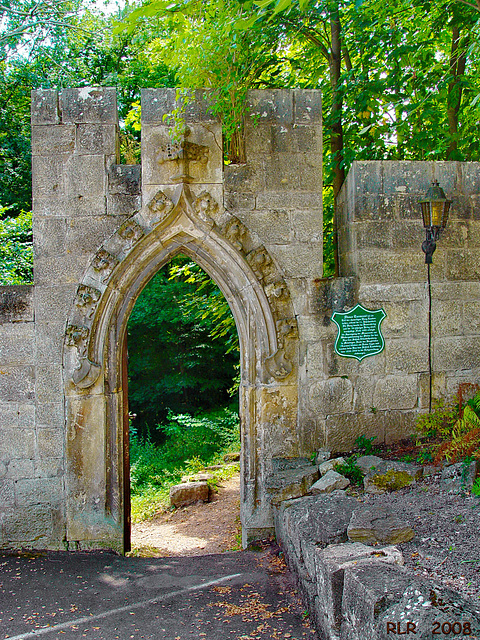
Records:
x=391, y=475
x=459, y=476
x=322, y=456
x=330, y=465
x=368, y=463
x=378, y=524
x=291, y=483
x=329, y=482
x=188, y=493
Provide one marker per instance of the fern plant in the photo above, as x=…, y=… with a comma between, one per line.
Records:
x=464, y=439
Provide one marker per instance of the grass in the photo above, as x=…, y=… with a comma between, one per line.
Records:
x=193, y=442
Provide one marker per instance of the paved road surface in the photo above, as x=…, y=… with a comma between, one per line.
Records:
x=238, y=596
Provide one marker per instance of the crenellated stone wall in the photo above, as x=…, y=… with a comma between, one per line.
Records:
x=102, y=230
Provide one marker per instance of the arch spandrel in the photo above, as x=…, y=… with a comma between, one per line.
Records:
x=191, y=221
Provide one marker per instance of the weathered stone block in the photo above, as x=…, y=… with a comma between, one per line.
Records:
x=125, y=179
x=44, y=108
x=39, y=491
x=7, y=494
x=307, y=106
x=431, y=609
x=38, y=525
x=329, y=482
x=301, y=260
x=332, y=396
x=89, y=105
x=374, y=265
x=49, y=468
x=391, y=475
x=321, y=520
x=63, y=269
x=329, y=465
x=399, y=424
x=238, y=200
x=271, y=225
x=378, y=524
x=296, y=139
x=331, y=564
x=49, y=236
x=342, y=430
x=367, y=463
x=307, y=226
x=49, y=176
x=50, y=141
x=96, y=139
x=456, y=353
x=290, y=483
x=368, y=591
x=49, y=383
x=271, y=106
x=17, y=443
x=119, y=204
x=19, y=469
x=50, y=443
x=406, y=356
x=16, y=303
x=85, y=235
x=396, y=392
x=53, y=301
x=248, y=178
x=298, y=172
x=188, y=493
x=50, y=338
x=17, y=383
x=17, y=344
x=278, y=407
x=87, y=177
x=158, y=102
x=293, y=200
x=158, y=169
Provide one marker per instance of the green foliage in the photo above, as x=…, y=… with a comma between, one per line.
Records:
x=439, y=422
x=476, y=487
x=459, y=432
x=365, y=444
x=350, y=470
x=16, y=251
x=424, y=457
x=182, y=354
x=191, y=443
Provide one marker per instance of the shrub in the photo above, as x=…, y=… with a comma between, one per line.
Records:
x=365, y=444
x=350, y=470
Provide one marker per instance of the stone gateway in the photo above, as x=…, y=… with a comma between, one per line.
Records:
x=102, y=230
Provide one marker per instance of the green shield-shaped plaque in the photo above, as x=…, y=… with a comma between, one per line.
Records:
x=359, y=334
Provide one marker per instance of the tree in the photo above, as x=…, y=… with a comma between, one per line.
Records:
x=181, y=357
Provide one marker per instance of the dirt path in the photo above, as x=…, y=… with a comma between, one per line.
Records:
x=198, y=529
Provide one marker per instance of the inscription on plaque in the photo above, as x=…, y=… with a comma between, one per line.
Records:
x=359, y=334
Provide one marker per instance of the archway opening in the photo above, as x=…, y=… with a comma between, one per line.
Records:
x=183, y=378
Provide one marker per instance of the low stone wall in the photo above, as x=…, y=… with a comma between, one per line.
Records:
x=359, y=592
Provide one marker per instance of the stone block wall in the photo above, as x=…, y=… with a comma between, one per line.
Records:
x=358, y=592
x=380, y=233
x=102, y=229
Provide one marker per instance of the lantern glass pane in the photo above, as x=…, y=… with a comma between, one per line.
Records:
x=437, y=213
x=426, y=212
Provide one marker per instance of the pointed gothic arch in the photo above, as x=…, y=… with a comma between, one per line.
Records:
x=194, y=224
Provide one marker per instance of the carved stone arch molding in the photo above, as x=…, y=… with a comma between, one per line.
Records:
x=175, y=220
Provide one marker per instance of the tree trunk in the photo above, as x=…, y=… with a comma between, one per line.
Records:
x=336, y=140
x=454, y=98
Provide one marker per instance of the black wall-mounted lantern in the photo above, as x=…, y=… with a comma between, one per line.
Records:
x=435, y=209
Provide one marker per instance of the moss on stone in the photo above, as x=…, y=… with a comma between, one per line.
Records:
x=392, y=480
